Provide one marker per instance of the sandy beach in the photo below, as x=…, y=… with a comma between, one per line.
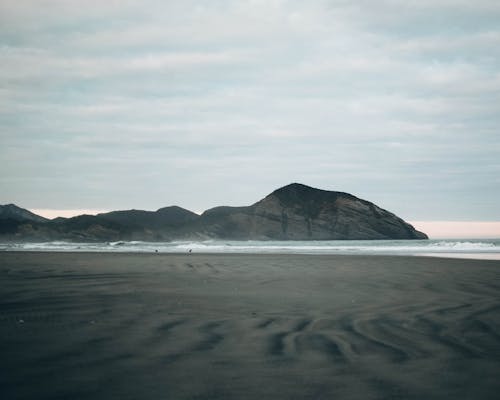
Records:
x=179, y=326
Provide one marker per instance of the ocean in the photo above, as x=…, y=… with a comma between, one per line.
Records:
x=463, y=248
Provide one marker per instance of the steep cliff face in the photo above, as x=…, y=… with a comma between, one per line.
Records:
x=299, y=212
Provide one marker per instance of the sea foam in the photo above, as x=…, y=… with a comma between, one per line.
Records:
x=368, y=247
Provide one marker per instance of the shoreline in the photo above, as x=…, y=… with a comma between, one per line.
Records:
x=444, y=255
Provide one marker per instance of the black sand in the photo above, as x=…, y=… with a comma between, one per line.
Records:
x=136, y=326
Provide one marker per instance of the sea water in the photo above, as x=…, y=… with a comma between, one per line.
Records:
x=464, y=248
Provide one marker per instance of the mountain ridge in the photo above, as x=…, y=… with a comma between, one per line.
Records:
x=292, y=212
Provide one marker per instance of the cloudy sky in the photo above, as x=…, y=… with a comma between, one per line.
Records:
x=143, y=104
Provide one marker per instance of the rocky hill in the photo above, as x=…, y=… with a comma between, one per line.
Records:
x=293, y=212
x=299, y=212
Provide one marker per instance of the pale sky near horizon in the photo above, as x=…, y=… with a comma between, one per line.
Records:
x=145, y=104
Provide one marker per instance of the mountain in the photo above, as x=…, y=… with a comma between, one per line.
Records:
x=300, y=212
x=15, y=213
x=14, y=218
x=293, y=212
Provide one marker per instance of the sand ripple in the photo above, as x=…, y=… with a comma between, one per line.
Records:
x=246, y=327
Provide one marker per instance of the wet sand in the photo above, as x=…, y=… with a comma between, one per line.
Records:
x=154, y=326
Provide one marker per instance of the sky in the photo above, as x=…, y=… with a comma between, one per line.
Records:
x=108, y=105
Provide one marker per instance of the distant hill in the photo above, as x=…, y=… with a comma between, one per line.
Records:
x=162, y=225
x=13, y=218
x=13, y=212
x=173, y=217
x=293, y=212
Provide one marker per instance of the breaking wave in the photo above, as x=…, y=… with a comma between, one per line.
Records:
x=373, y=247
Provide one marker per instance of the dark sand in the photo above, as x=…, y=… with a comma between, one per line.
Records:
x=137, y=326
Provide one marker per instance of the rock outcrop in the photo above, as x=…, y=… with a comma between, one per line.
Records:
x=299, y=212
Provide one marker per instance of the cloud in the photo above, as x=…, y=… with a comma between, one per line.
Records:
x=393, y=101
x=27, y=64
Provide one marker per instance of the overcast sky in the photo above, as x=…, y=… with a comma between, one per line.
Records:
x=143, y=104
